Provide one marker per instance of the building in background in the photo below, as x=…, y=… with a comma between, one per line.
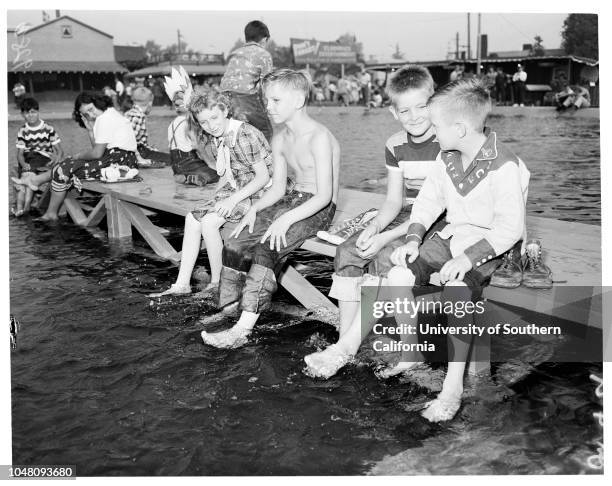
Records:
x=58, y=58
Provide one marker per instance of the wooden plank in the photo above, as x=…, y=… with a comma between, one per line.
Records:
x=97, y=214
x=118, y=223
x=306, y=293
x=149, y=231
x=74, y=210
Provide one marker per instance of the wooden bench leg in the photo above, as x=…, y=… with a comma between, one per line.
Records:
x=118, y=222
x=306, y=293
x=97, y=214
x=74, y=210
x=149, y=231
x=479, y=359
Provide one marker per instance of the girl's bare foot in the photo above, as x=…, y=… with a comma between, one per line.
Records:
x=173, y=290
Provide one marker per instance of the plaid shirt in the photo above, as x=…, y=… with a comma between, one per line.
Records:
x=251, y=147
x=138, y=119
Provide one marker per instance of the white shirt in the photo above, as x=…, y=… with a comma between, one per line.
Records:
x=178, y=135
x=114, y=130
x=119, y=87
x=519, y=76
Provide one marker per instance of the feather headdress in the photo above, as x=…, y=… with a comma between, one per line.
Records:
x=178, y=82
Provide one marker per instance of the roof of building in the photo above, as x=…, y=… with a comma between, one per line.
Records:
x=130, y=53
x=195, y=70
x=69, y=67
x=63, y=17
x=487, y=60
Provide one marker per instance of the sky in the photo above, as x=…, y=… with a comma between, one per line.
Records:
x=420, y=36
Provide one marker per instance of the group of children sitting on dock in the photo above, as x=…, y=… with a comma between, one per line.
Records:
x=469, y=210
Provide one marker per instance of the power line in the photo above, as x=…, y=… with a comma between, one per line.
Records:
x=515, y=27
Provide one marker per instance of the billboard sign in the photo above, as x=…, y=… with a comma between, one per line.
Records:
x=311, y=51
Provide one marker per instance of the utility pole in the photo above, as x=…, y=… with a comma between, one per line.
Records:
x=457, y=46
x=178, y=35
x=478, y=48
x=469, y=49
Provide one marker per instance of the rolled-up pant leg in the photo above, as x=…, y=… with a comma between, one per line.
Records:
x=261, y=282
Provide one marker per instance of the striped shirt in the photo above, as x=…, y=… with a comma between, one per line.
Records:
x=40, y=138
x=415, y=160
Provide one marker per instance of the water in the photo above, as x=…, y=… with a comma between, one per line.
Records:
x=103, y=380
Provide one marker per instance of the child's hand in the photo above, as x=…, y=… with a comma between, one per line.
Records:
x=87, y=123
x=410, y=250
x=455, y=269
x=247, y=220
x=372, y=246
x=225, y=207
x=366, y=235
x=276, y=232
x=26, y=167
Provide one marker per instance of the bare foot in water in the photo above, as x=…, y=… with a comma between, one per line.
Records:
x=47, y=217
x=326, y=363
x=443, y=408
x=173, y=290
x=232, y=338
x=17, y=212
x=398, y=369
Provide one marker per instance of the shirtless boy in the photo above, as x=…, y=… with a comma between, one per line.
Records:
x=282, y=219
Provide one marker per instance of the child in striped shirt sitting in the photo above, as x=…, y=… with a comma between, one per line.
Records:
x=38, y=149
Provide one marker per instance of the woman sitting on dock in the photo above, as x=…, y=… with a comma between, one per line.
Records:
x=112, y=142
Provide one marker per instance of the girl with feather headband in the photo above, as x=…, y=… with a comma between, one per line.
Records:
x=187, y=165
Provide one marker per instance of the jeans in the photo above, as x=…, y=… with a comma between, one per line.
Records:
x=250, y=267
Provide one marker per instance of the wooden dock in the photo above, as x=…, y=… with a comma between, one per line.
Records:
x=571, y=250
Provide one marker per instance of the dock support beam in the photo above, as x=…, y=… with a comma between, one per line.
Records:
x=118, y=222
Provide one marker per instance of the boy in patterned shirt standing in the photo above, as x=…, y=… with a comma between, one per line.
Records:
x=241, y=82
x=38, y=149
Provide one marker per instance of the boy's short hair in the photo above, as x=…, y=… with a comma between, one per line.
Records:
x=290, y=78
x=465, y=99
x=407, y=78
x=28, y=104
x=142, y=95
x=255, y=31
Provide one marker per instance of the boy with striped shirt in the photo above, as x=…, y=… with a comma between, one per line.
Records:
x=38, y=149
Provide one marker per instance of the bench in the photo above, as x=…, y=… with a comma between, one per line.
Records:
x=572, y=250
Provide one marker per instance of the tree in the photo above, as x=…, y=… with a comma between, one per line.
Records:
x=581, y=36
x=349, y=39
x=398, y=55
x=281, y=55
x=538, y=48
x=153, y=50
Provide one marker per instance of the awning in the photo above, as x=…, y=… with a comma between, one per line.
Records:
x=68, y=67
x=192, y=69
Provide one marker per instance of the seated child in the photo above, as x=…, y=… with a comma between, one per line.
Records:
x=38, y=149
x=142, y=99
x=483, y=187
x=187, y=166
x=244, y=160
x=284, y=217
x=364, y=258
x=112, y=142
